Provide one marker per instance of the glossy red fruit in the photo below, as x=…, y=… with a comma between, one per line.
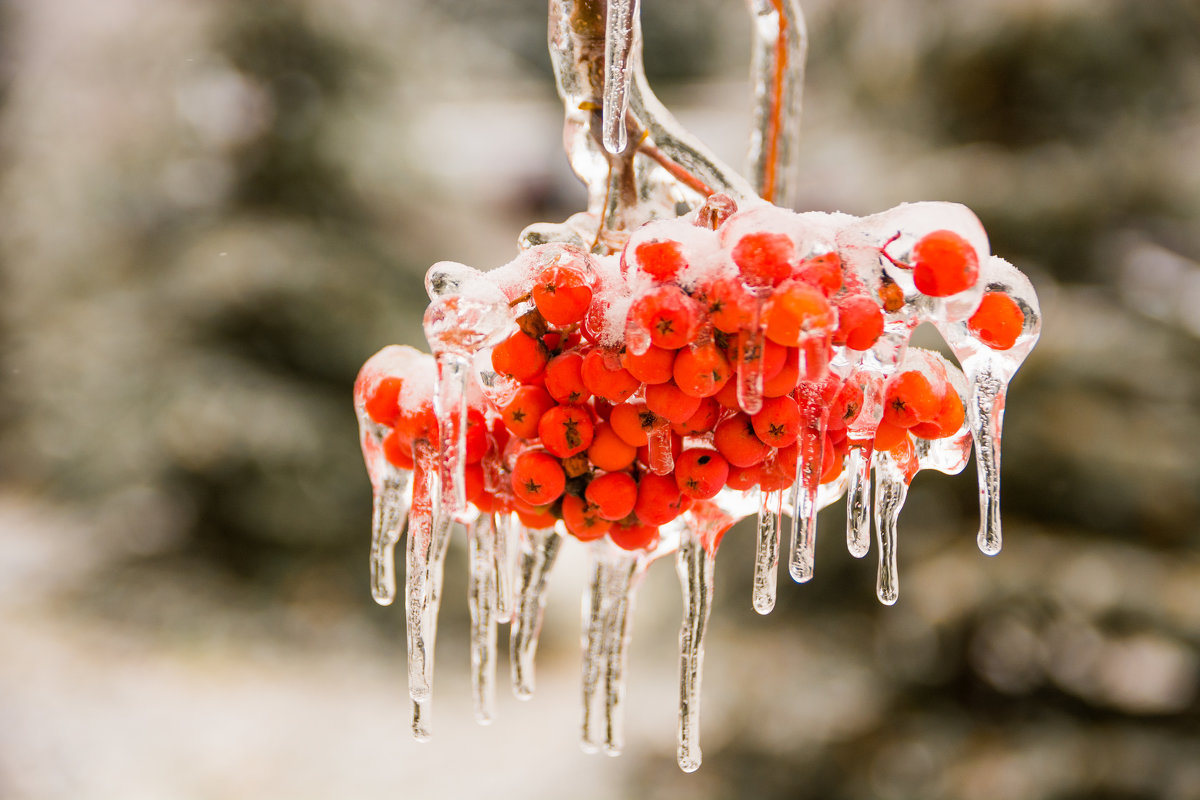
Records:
x=728, y=305
x=764, y=258
x=562, y=294
x=632, y=422
x=661, y=259
x=397, y=451
x=609, y=451
x=796, y=310
x=614, y=494
x=658, y=500
x=564, y=378
x=652, y=366
x=944, y=263
x=700, y=473
x=823, y=271
x=566, y=430
x=948, y=421
x=525, y=410
x=668, y=315
x=538, y=478
x=860, y=322
x=520, y=356
x=736, y=440
x=583, y=519
x=634, y=536
x=603, y=376
x=910, y=398
x=701, y=371
x=778, y=422
x=703, y=421
x=998, y=321
x=670, y=402
x=383, y=406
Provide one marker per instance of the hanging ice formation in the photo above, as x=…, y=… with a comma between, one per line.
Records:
x=637, y=380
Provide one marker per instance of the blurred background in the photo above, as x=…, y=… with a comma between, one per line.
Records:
x=213, y=213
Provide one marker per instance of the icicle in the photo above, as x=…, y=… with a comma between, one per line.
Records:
x=766, y=556
x=427, y=544
x=481, y=596
x=628, y=572
x=539, y=548
x=619, y=33
x=450, y=406
x=662, y=460
x=814, y=416
x=594, y=618
x=751, y=346
x=890, y=490
x=502, y=566
x=695, y=564
x=858, y=500
x=389, y=514
x=420, y=719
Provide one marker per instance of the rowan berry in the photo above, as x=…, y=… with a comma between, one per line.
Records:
x=778, y=422
x=634, y=536
x=910, y=398
x=474, y=485
x=537, y=478
x=823, y=271
x=609, y=451
x=562, y=294
x=583, y=519
x=520, y=356
x=703, y=421
x=564, y=378
x=417, y=425
x=525, y=411
x=773, y=477
x=736, y=440
x=534, y=517
x=888, y=436
x=652, y=366
x=833, y=460
x=566, y=430
x=944, y=263
x=846, y=406
x=383, y=406
x=730, y=307
x=795, y=311
x=632, y=422
x=998, y=321
x=728, y=396
x=670, y=402
x=948, y=421
x=764, y=258
x=700, y=473
x=784, y=381
x=658, y=499
x=701, y=371
x=614, y=494
x=661, y=259
x=860, y=322
x=743, y=479
x=397, y=451
x=604, y=376
x=667, y=315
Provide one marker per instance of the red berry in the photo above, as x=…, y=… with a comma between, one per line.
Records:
x=764, y=258
x=397, y=451
x=634, y=537
x=944, y=263
x=474, y=485
x=534, y=517
x=784, y=381
x=949, y=418
x=604, y=376
x=476, y=437
x=583, y=519
x=743, y=479
x=795, y=311
x=632, y=422
x=888, y=436
x=701, y=371
x=668, y=315
x=418, y=425
x=778, y=422
x=661, y=259
x=564, y=378
x=736, y=440
x=730, y=307
x=658, y=500
x=566, y=430
x=846, y=406
x=833, y=460
x=998, y=321
x=703, y=421
x=909, y=399
x=652, y=366
x=669, y=401
x=614, y=494
x=525, y=410
x=823, y=271
x=538, y=478
x=609, y=451
x=562, y=294
x=700, y=473
x=860, y=322
x=383, y=406
x=520, y=356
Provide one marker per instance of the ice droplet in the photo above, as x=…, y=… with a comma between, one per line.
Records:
x=890, y=490
x=538, y=550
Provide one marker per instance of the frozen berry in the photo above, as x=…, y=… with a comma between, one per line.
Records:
x=860, y=322
x=525, y=410
x=632, y=422
x=764, y=258
x=948, y=421
x=538, y=478
x=701, y=371
x=944, y=263
x=823, y=271
x=562, y=294
x=736, y=440
x=652, y=366
x=669, y=401
x=910, y=398
x=520, y=356
x=658, y=499
x=998, y=321
x=609, y=451
x=397, y=451
x=730, y=307
x=661, y=259
x=614, y=494
x=700, y=473
x=583, y=519
x=667, y=315
x=566, y=430
x=564, y=378
x=604, y=376
x=634, y=537
x=794, y=311
x=703, y=421
x=383, y=406
x=778, y=422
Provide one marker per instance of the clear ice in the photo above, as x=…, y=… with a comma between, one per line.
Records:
x=441, y=435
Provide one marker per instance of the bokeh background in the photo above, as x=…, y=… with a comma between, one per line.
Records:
x=213, y=213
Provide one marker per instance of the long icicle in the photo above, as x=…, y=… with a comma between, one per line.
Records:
x=619, y=33
x=539, y=549
x=858, y=499
x=592, y=640
x=890, y=490
x=481, y=597
x=389, y=514
x=627, y=575
x=814, y=416
x=766, y=555
x=695, y=564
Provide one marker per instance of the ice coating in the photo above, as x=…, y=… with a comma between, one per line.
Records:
x=768, y=353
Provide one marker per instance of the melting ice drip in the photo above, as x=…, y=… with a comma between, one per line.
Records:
x=638, y=381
